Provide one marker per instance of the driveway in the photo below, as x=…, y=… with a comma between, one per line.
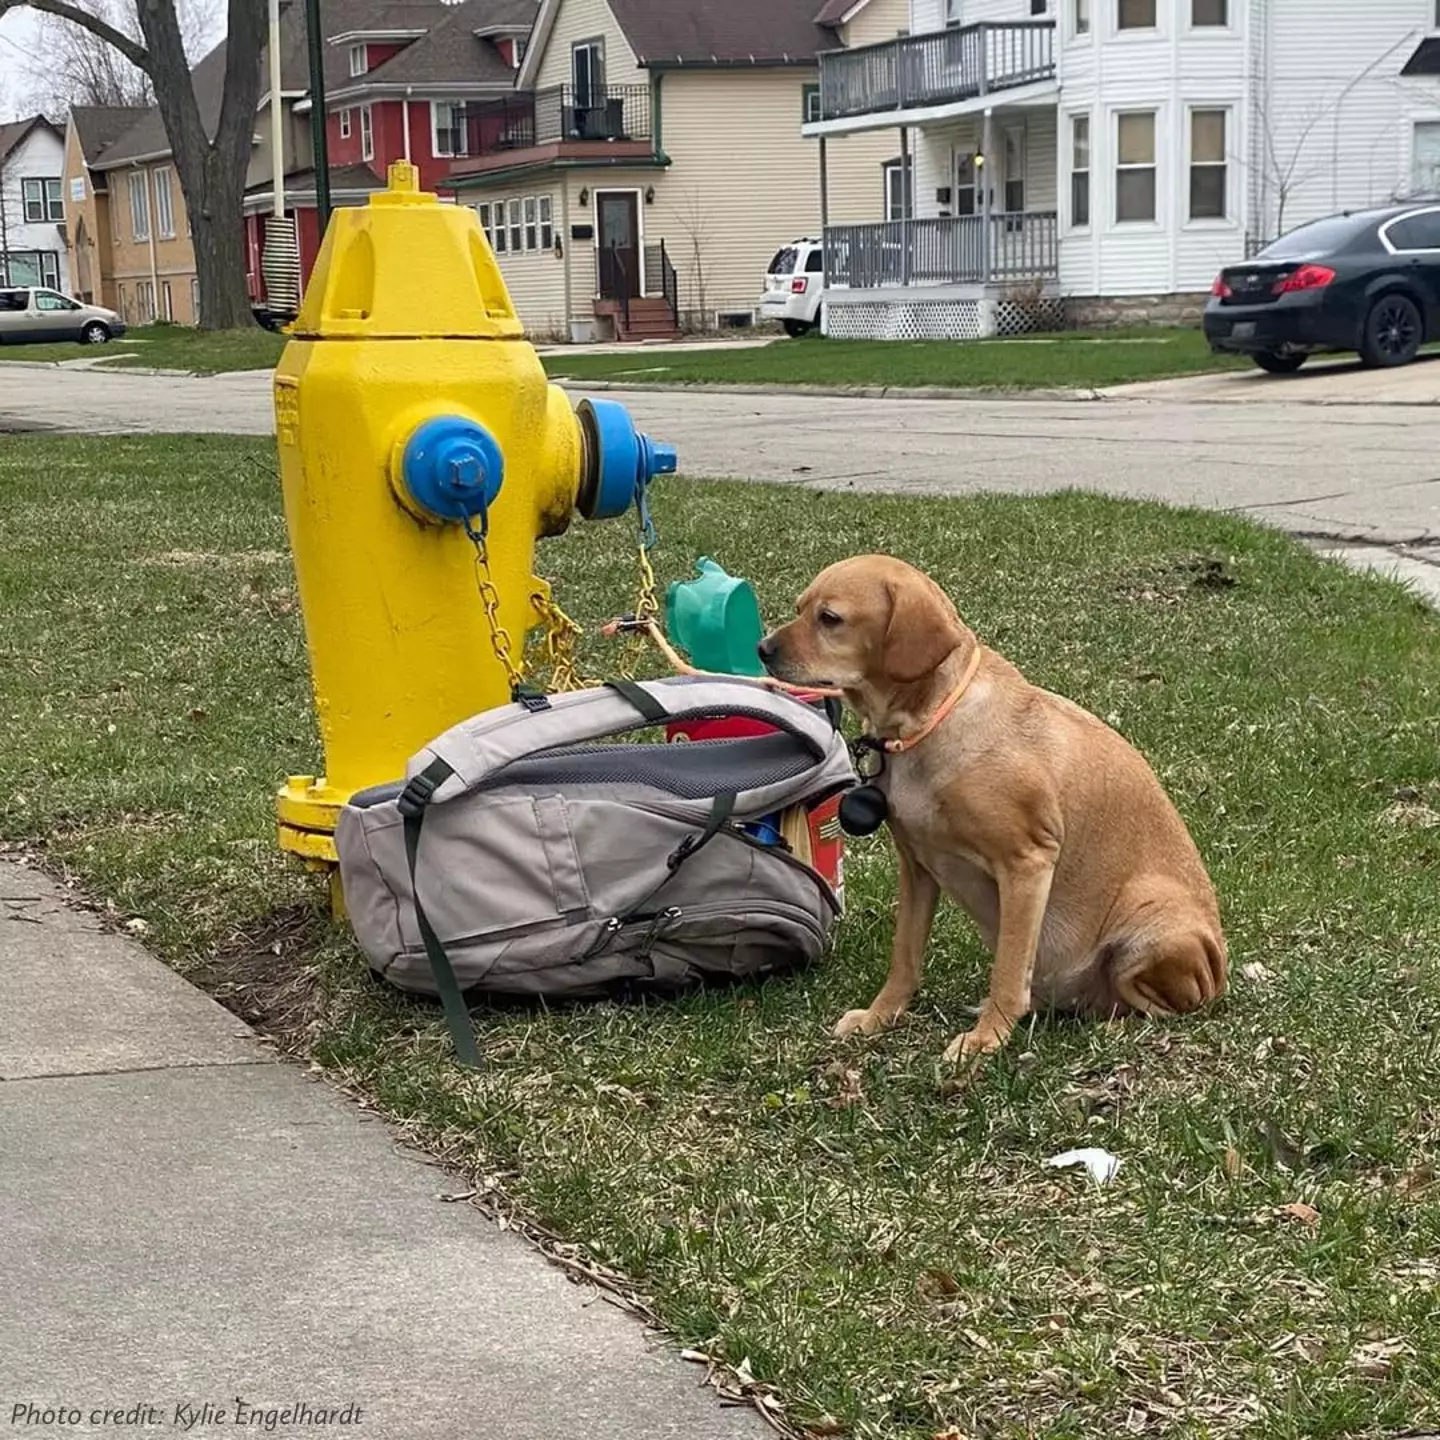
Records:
x=1346, y=459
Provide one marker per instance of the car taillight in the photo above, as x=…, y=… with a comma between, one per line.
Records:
x=1220, y=290
x=1307, y=277
x=798, y=284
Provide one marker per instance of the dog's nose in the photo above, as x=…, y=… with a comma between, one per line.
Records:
x=766, y=649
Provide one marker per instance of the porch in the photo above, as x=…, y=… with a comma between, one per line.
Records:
x=921, y=77
x=610, y=123
x=951, y=250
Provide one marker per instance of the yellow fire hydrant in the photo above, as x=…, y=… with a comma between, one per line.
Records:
x=418, y=435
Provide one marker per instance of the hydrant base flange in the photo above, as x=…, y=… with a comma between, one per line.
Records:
x=308, y=810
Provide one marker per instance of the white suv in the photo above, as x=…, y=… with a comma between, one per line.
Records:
x=794, y=285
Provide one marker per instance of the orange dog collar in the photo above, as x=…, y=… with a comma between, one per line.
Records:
x=909, y=742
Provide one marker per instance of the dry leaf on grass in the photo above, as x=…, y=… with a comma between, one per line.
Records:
x=1299, y=1210
x=826, y=1425
x=1375, y=1360
x=1410, y=815
x=937, y=1284
x=950, y=1434
x=1256, y=973
x=1232, y=1162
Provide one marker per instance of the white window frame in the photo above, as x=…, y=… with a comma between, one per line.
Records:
x=1392, y=247
x=1088, y=171
x=359, y=60
x=1150, y=29
x=1209, y=221
x=367, y=133
x=164, y=214
x=890, y=170
x=1211, y=27
x=167, y=303
x=1082, y=22
x=546, y=207
x=1411, y=160
x=50, y=269
x=457, y=126
x=139, y=205
x=345, y=123
x=532, y=223
x=54, y=200
x=1156, y=150
x=952, y=12
x=810, y=102
x=965, y=157
x=515, y=222
x=482, y=214
x=32, y=191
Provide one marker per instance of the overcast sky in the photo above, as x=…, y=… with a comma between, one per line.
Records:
x=17, y=34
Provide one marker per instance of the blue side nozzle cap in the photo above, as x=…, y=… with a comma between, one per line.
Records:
x=620, y=461
x=453, y=468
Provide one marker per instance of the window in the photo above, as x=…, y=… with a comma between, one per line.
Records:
x=482, y=213
x=547, y=223
x=1209, y=12
x=344, y=124
x=965, y=184
x=194, y=302
x=809, y=104
x=1039, y=7
x=52, y=302
x=164, y=205
x=447, y=123
x=31, y=267
x=367, y=134
x=899, y=191
x=139, y=206
x=587, y=68
x=498, y=234
x=1134, y=14
x=1207, y=164
x=359, y=60
x=1415, y=232
x=1013, y=195
x=1079, y=170
x=1081, y=17
x=520, y=45
x=517, y=229
x=145, y=302
x=1425, y=158
x=1135, y=167
x=532, y=231
x=952, y=12
x=815, y=262
x=34, y=193
x=167, y=305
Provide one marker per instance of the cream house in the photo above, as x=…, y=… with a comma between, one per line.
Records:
x=651, y=160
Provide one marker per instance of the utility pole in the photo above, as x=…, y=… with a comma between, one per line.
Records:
x=319, y=142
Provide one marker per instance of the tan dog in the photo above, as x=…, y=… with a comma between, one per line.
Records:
x=1047, y=827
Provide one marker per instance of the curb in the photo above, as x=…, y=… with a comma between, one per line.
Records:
x=840, y=392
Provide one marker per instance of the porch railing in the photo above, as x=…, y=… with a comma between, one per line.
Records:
x=661, y=279
x=561, y=112
x=936, y=69
x=958, y=250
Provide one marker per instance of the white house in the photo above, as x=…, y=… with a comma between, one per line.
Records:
x=32, y=205
x=1110, y=156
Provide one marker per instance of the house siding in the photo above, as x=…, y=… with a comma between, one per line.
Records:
x=40, y=156
x=139, y=275
x=587, y=20
x=87, y=226
x=535, y=279
x=723, y=220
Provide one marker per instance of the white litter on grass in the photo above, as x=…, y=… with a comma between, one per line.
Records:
x=1101, y=1164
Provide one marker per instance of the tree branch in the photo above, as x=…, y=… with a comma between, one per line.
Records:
x=137, y=55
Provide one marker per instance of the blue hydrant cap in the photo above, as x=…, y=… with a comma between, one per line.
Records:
x=660, y=458
x=620, y=460
x=453, y=467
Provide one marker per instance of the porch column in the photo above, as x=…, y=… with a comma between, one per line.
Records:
x=824, y=192
x=987, y=150
x=905, y=266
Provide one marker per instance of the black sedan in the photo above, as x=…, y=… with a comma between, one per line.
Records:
x=1367, y=281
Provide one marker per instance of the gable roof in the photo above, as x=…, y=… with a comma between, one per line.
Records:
x=14, y=134
x=97, y=127
x=451, y=53
x=147, y=138
x=835, y=12
x=742, y=32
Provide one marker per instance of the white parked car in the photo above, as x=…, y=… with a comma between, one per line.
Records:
x=794, y=285
x=33, y=315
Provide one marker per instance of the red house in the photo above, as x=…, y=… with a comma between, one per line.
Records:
x=399, y=76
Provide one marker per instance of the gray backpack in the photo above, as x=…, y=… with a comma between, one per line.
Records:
x=519, y=857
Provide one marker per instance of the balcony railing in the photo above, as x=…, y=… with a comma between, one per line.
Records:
x=561, y=113
x=963, y=249
x=938, y=69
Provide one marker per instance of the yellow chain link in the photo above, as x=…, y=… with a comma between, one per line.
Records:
x=490, y=599
x=562, y=639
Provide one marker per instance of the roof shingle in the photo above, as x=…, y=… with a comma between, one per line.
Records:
x=740, y=32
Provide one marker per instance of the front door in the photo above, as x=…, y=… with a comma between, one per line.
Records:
x=617, y=243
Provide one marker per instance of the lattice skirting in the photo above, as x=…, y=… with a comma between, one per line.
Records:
x=941, y=319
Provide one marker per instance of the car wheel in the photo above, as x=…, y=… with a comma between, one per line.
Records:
x=1393, y=332
x=796, y=328
x=95, y=333
x=1274, y=364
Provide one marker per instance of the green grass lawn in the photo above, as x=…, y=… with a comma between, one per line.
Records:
x=1071, y=360
x=895, y=1259
x=168, y=347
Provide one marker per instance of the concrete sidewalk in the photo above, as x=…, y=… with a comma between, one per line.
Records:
x=188, y=1222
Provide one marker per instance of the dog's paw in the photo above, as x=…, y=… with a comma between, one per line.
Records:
x=861, y=1022
x=973, y=1044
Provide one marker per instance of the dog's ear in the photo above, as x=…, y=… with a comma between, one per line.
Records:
x=923, y=629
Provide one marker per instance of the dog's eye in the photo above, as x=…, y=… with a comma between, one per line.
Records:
x=829, y=619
